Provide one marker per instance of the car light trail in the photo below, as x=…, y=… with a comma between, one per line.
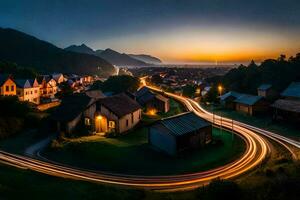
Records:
x=257, y=149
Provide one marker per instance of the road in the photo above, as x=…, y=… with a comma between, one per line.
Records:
x=257, y=150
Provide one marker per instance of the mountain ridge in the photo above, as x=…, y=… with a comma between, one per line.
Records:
x=27, y=50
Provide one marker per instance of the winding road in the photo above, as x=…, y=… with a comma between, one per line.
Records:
x=258, y=149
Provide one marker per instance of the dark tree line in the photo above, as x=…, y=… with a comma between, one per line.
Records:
x=278, y=72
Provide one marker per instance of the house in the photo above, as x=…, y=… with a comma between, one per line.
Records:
x=288, y=108
x=227, y=100
x=179, y=133
x=152, y=101
x=87, y=80
x=7, y=85
x=266, y=91
x=71, y=112
x=28, y=90
x=59, y=78
x=48, y=86
x=118, y=114
x=251, y=104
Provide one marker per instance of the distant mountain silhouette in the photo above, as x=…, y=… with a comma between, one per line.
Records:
x=112, y=56
x=80, y=49
x=146, y=58
x=44, y=57
x=119, y=59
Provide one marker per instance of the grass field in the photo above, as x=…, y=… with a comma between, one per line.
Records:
x=132, y=155
x=264, y=122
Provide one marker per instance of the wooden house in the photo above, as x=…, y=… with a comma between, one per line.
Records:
x=28, y=90
x=7, y=85
x=251, y=104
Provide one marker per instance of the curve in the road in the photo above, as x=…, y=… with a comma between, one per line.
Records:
x=256, y=151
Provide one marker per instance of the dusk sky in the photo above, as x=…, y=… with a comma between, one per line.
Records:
x=177, y=31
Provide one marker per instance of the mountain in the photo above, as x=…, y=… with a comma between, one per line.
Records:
x=146, y=58
x=80, y=49
x=44, y=57
x=114, y=57
x=119, y=59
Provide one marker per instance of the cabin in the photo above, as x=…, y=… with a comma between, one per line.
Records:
x=288, y=107
x=117, y=114
x=48, y=86
x=7, y=85
x=251, y=104
x=28, y=90
x=152, y=101
x=180, y=133
x=99, y=114
x=70, y=113
x=227, y=100
x=266, y=91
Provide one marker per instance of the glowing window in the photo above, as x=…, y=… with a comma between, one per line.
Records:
x=111, y=124
x=87, y=121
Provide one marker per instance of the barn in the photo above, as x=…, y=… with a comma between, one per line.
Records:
x=180, y=133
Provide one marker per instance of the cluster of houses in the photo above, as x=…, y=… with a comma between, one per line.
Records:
x=117, y=114
x=286, y=104
x=41, y=88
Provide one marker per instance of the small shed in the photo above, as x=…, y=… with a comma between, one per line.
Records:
x=266, y=91
x=179, y=133
x=251, y=104
x=285, y=109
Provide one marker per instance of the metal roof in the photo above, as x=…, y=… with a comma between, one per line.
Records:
x=23, y=83
x=248, y=99
x=264, y=87
x=184, y=123
x=230, y=94
x=293, y=90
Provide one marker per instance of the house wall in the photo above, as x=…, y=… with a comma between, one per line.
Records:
x=48, y=90
x=29, y=94
x=244, y=108
x=162, y=140
x=70, y=126
x=129, y=121
x=12, y=88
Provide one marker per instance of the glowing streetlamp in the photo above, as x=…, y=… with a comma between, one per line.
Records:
x=220, y=89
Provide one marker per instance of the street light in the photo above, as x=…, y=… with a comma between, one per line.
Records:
x=220, y=89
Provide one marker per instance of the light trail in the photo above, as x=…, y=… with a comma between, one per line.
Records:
x=257, y=149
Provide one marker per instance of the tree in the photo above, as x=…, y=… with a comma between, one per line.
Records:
x=188, y=91
x=118, y=84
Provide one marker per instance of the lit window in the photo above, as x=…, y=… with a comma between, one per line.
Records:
x=111, y=124
x=87, y=121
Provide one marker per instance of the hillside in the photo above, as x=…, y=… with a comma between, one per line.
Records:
x=146, y=58
x=280, y=73
x=112, y=56
x=44, y=57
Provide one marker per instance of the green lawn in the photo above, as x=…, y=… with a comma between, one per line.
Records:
x=132, y=155
x=264, y=122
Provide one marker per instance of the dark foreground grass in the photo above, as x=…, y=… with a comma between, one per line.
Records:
x=131, y=154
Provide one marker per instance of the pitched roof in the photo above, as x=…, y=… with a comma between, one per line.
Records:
x=23, y=83
x=264, y=87
x=71, y=107
x=97, y=94
x=182, y=124
x=146, y=97
x=248, y=99
x=120, y=104
x=143, y=90
x=230, y=94
x=3, y=78
x=162, y=98
x=293, y=90
x=287, y=105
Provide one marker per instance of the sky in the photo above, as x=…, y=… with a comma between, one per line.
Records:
x=177, y=31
